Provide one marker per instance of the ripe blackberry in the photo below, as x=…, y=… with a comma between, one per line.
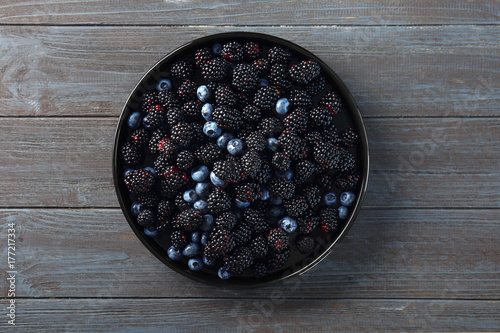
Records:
x=251, y=113
x=349, y=138
x=185, y=160
x=168, y=192
x=202, y=56
x=180, y=203
x=156, y=117
x=242, y=233
x=281, y=161
x=327, y=155
x=226, y=220
x=132, y=154
x=252, y=50
x=215, y=70
x=238, y=261
x=316, y=86
x=140, y=181
x=329, y=219
x=260, y=269
x=347, y=181
x=305, y=244
x=255, y=218
x=224, y=170
x=189, y=219
x=146, y=218
x=321, y=117
x=197, y=135
x=277, y=239
x=163, y=223
x=293, y=145
x=281, y=187
x=140, y=137
x=191, y=110
x=324, y=181
x=167, y=146
x=307, y=224
x=256, y=141
x=163, y=161
x=174, y=116
x=219, y=201
x=179, y=239
x=278, y=76
x=166, y=208
x=245, y=78
x=181, y=133
x=227, y=117
x=305, y=71
x=332, y=102
x=149, y=200
x=296, y=206
x=263, y=175
x=312, y=137
x=251, y=162
x=174, y=177
x=312, y=194
x=262, y=66
x=304, y=170
x=167, y=99
x=232, y=51
x=331, y=135
x=247, y=192
x=300, y=98
x=148, y=100
x=297, y=120
x=346, y=160
x=187, y=91
x=221, y=241
x=266, y=98
x=224, y=95
x=238, y=174
x=278, y=54
x=270, y=126
x=277, y=259
x=208, y=153
x=258, y=246
x=182, y=69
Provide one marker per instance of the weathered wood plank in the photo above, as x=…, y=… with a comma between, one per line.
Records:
x=451, y=162
x=266, y=315
x=388, y=253
x=391, y=71
x=260, y=12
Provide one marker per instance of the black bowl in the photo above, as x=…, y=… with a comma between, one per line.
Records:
x=297, y=263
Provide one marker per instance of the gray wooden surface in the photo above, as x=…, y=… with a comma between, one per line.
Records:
x=424, y=253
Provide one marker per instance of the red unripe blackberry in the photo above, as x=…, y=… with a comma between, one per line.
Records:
x=140, y=181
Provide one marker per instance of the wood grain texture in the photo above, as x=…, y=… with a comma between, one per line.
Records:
x=388, y=253
x=267, y=315
x=391, y=71
x=257, y=12
x=421, y=162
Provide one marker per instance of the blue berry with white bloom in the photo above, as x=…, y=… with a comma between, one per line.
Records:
x=202, y=189
x=343, y=212
x=289, y=224
x=223, y=273
x=282, y=106
x=277, y=211
x=150, y=232
x=347, y=198
x=196, y=236
x=164, y=84
x=195, y=264
x=272, y=144
x=191, y=250
x=211, y=129
x=136, y=208
x=174, y=253
x=200, y=173
x=190, y=196
x=217, y=48
x=262, y=83
x=126, y=172
x=241, y=204
x=204, y=238
x=216, y=180
x=265, y=194
x=329, y=198
x=134, y=120
x=208, y=222
x=146, y=124
x=288, y=174
x=207, y=111
x=235, y=146
x=207, y=262
x=275, y=200
x=203, y=93
x=153, y=171
x=224, y=139
x=201, y=205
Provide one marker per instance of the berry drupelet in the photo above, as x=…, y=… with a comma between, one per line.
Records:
x=182, y=69
x=140, y=181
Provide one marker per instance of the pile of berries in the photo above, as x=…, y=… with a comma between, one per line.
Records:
x=238, y=158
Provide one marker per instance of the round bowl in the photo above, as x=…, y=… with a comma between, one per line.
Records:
x=298, y=263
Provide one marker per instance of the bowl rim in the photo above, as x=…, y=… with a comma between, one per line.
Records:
x=347, y=99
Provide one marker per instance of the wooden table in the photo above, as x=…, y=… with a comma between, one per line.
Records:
x=424, y=254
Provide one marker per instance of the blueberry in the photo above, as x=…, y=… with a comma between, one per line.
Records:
x=195, y=264
x=134, y=120
x=282, y=106
x=126, y=172
x=211, y=129
x=153, y=171
x=216, y=180
x=217, y=48
x=190, y=196
x=275, y=200
x=207, y=111
x=347, y=198
x=329, y=198
x=343, y=212
x=289, y=224
x=223, y=273
x=272, y=144
x=174, y=253
x=150, y=232
x=201, y=205
x=164, y=84
x=288, y=174
x=208, y=222
x=265, y=194
x=191, y=250
x=223, y=140
x=136, y=208
x=241, y=204
x=207, y=262
x=204, y=238
x=277, y=211
x=263, y=82
x=235, y=146
x=202, y=189
x=203, y=93
x=196, y=236
x=200, y=173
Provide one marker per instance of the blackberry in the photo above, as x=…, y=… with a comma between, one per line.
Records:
x=238, y=261
x=182, y=69
x=232, y=51
x=258, y=246
x=251, y=113
x=180, y=203
x=263, y=175
x=242, y=233
x=185, y=160
x=202, y=56
x=225, y=95
x=174, y=116
x=245, y=130
x=260, y=269
x=307, y=224
x=168, y=192
x=190, y=219
x=167, y=146
x=349, y=138
x=251, y=163
x=296, y=206
x=329, y=219
x=187, y=91
x=278, y=76
x=191, y=110
x=227, y=117
x=146, y=218
x=174, y=177
x=148, y=100
x=262, y=66
x=132, y=154
x=179, y=239
x=237, y=167
x=305, y=244
x=181, y=133
x=226, y=220
x=305, y=71
x=293, y=145
x=324, y=181
x=162, y=162
x=317, y=85
x=266, y=98
x=140, y=181
x=327, y=155
x=256, y=141
x=300, y=98
x=221, y=241
x=224, y=170
x=247, y=192
x=252, y=50
x=312, y=137
x=321, y=117
x=304, y=170
x=270, y=126
x=208, y=153
x=156, y=117
x=297, y=120
x=255, y=218
x=149, y=200
x=278, y=54
x=245, y=78
x=346, y=160
x=277, y=259
x=281, y=161
x=163, y=224
x=215, y=70
x=312, y=194
x=277, y=239
x=347, y=181
x=219, y=201
x=168, y=99
x=197, y=135
x=331, y=135
x=332, y=102
x=166, y=208
x=140, y=137
x=281, y=187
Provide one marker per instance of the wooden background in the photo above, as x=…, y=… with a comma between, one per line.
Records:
x=424, y=254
